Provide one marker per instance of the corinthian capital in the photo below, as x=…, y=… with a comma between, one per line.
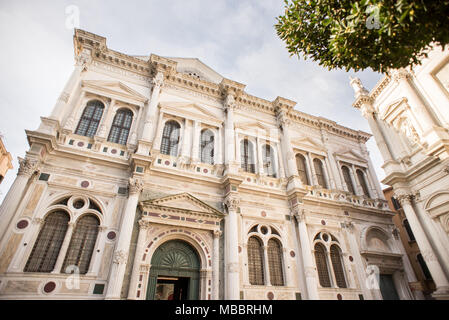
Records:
x=135, y=185
x=143, y=224
x=232, y=202
x=158, y=80
x=84, y=58
x=282, y=118
x=399, y=74
x=27, y=166
x=404, y=198
x=229, y=102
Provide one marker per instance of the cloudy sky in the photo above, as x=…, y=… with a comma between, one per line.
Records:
x=235, y=38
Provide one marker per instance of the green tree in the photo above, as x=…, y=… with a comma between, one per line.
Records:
x=363, y=34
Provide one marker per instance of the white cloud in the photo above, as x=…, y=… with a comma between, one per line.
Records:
x=236, y=38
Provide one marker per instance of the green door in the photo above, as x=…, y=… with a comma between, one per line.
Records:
x=387, y=287
x=178, y=263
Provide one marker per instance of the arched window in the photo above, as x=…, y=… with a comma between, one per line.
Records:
x=274, y=252
x=347, y=177
x=424, y=267
x=362, y=181
x=338, y=266
x=247, y=156
x=321, y=265
x=319, y=171
x=207, y=147
x=255, y=261
x=90, y=119
x=301, y=164
x=121, y=126
x=268, y=161
x=170, y=138
x=410, y=234
x=82, y=244
x=48, y=244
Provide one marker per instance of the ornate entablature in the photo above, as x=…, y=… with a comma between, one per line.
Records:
x=200, y=86
x=182, y=210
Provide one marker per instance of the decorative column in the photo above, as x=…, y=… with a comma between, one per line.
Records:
x=158, y=137
x=216, y=265
x=232, y=255
x=196, y=141
x=441, y=282
x=313, y=177
x=280, y=160
x=140, y=248
x=218, y=155
x=266, y=266
x=259, y=156
x=349, y=227
x=150, y=116
x=107, y=123
x=229, y=107
x=284, y=123
x=355, y=181
x=95, y=264
x=81, y=63
x=15, y=193
x=63, y=250
x=307, y=258
x=120, y=260
x=70, y=124
x=186, y=140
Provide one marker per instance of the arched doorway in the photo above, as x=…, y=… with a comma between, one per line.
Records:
x=174, y=273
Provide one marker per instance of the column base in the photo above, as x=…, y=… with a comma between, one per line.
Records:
x=442, y=293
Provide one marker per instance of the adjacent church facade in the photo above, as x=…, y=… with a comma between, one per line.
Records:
x=408, y=114
x=157, y=178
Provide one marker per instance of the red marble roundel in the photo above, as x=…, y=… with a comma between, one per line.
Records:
x=22, y=224
x=85, y=184
x=111, y=235
x=114, y=151
x=351, y=258
x=263, y=214
x=49, y=287
x=339, y=297
x=270, y=295
x=292, y=254
x=80, y=144
x=323, y=222
x=205, y=170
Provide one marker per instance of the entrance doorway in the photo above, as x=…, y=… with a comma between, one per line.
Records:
x=387, y=287
x=174, y=273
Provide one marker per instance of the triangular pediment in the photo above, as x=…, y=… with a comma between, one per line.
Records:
x=351, y=155
x=255, y=126
x=183, y=201
x=307, y=143
x=116, y=88
x=188, y=107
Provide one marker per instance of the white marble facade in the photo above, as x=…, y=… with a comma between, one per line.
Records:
x=143, y=198
x=407, y=113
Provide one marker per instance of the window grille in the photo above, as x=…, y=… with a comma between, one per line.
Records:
x=274, y=252
x=302, y=169
x=347, y=177
x=247, y=156
x=121, y=126
x=255, y=261
x=170, y=138
x=362, y=181
x=338, y=266
x=48, y=244
x=82, y=244
x=268, y=161
x=90, y=119
x=321, y=265
x=207, y=147
x=319, y=171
